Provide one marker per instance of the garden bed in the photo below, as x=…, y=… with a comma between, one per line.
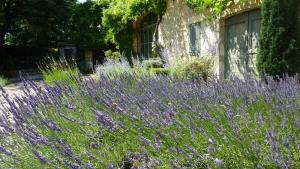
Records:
x=154, y=122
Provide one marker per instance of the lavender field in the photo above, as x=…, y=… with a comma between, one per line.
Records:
x=153, y=122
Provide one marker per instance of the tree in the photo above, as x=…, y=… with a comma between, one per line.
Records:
x=278, y=49
x=86, y=26
x=35, y=22
x=10, y=12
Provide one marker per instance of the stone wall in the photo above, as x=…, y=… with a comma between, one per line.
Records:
x=174, y=30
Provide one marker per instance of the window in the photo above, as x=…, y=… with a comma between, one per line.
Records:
x=195, y=35
x=148, y=26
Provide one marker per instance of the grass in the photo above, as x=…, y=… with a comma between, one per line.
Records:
x=59, y=71
x=159, y=122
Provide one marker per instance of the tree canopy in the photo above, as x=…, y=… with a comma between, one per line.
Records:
x=87, y=30
x=34, y=22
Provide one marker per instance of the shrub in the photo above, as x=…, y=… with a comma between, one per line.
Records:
x=114, y=68
x=112, y=55
x=278, y=53
x=155, y=122
x=192, y=68
x=153, y=63
x=59, y=71
x=160, y=71
x=3, y=80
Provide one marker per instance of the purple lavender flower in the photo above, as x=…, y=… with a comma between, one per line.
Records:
x=90, y=166
x=40, y=157
x=75, y=166
x=105, y=119
x=230, y=112
x=210, y=149
x=111, y=166
x=6, y=152
x=146, y=141
x=283, y=123
x=65, y=146
x=158, y=143
x=219, y=161
x=72, y=165
x=52, y=125
x=71, y=105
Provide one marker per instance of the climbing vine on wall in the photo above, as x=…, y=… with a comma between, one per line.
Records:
x=215, y=6
x=121, y=14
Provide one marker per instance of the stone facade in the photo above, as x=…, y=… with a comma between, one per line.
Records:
x=174, y=30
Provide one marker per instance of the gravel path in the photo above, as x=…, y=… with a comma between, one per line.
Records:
x=13, y=90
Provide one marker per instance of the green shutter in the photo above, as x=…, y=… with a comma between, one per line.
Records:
x=195, y=36
x=192, y=39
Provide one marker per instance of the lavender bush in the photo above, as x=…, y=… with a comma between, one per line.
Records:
x=115, y=68
x=153, y=122
x=59, y=70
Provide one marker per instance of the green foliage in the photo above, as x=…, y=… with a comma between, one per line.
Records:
x=35, y=22
x=112, y=55
x=153, y=63
x=160, y=71
x=278, y=51
x=216, y=6
x=47, y=23
x=3, y=80
x=59, y=71
x=10, y=13
x=192, y=68
x=120, y=15
x=86, y=30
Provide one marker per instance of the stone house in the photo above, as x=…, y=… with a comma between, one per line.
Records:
x=232, y=38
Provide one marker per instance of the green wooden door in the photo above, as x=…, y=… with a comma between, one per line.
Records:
x=241, y=37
